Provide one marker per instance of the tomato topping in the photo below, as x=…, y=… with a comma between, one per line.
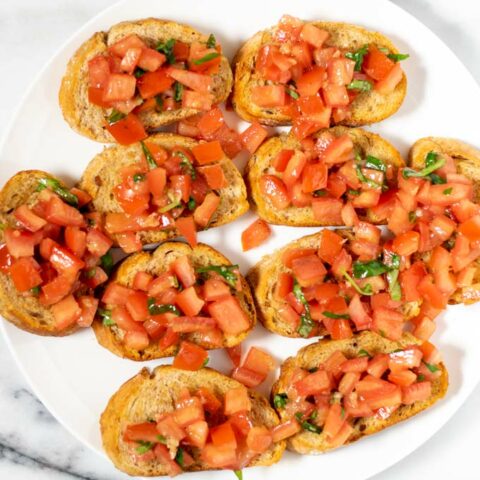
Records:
x=186, y=228
x=253, y=137
x=230, y=316
x=190, y=357
x=127, y=130
x=256, y=234
x=25, y=274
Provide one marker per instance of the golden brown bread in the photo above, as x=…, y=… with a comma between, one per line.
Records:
x=88, y=119
x=155, y=263
x=103, y=174
x=26, y=312
x=467, y=161
x=148, y=394
x=366, y=142
x=368, y=107
x=314, y=354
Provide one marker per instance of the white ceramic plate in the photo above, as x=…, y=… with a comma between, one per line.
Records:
x=74, y=377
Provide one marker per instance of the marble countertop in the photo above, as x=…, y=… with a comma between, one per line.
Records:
x=33, y=445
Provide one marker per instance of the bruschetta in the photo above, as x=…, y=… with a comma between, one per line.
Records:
x=122, y=84
x=155, y=300
x=312, y=75
x=170, y=421
x=52, y=255
x=335, y=392
x=163, y=187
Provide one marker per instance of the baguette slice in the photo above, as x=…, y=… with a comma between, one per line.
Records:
x=368, y=107
x=366, y=142
x=316, y=353
x=467, y=161
x=26, y=312
x=148, y=394
x=103, y=174
x=88, y=119
x=156, y=262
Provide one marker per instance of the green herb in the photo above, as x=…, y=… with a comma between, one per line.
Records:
x=382, y=333
x=191, y=204
x=59, y=189
x=357, y=57
x=306, y=424
x=107, y=262
x=161, y=438
x=91, y=272
x=106, y=317
x=392, y=278
x=178, y=92
x=353, y=192
x=239, y=474
x=421, y=377
x=361, y=176
x=179, y=457
x=35, y=291
x=187, y=165
x=167, y=49
x=174, y=204
x=431, y=367
x=361, y=85
x=436, y=179
x=159, y=102
x=364, y=353
x=375, y=163
x=398, y=57
x=115, y=116
x=144, y=447
x=280, y=400
x=148, y=156
x=306, y=322
x=138, y=177
x=320, y=193
x=157, y=309
x=366, y=290
x=212, y=41
x=206, y=58
x=205, y=363
x=342, y=413
x=412, y=217
x=448, y=191
x=336, y=315
x=226, y=271
x=432, y=163
x=139, y=72
x=369, y=269
x=292, y=93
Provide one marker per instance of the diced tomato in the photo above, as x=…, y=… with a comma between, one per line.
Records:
x=274, y=190
x=229, y=315
x=259, y=439
x=66, y=312
x=334, y=421
x=214, y=289
x=163, y=456
x=388, y=84
x=340, y=71
x=189, y=302
x=255, y=234
x=388, y=322
x=190, y=356
x=151, y=84
x=186, y=227
x=119, y=87
x=253, y=137
x=237, y=400
x=6, y=260
x=431, y=293
x=181, y=186
x=285, y=430
x=259, y=361
x=283, y=286
x=268, y=96
x=25, y=274
x=442, y=227
x=311, y=81
x=116, y=294
x=214, y=176
x=59, y=213
x=183, y=269
x=196, y=81
x=65, y=262
x=330, y=244
x=379, y=393
x=404, y=359
x=197, y=100
x=28, y=219
x=127, y=130
x=211, y=122
x=151, y=60
x=417, y=392
x=280, y=162
x=136, y=305
x=89, y=305
x=19, y=242
x=97, y=242
x=335, y=95
x=308, y=270
x=129, y=242
x=377, y=64
x=471, y=228
x=313, y=384
x=378, y=365
x=204, y=212
x=197, y=433
x=120, y=47
x=359, y=314
x=327, y=211
x=156, y=181
x=218, y=456
x=314, y=177
x=98, y=72
x=56, y=289
x=406, y=243
x=169, y=428
x=208, y=152
x=248, y=377
x=146, y=432
x=424, y=329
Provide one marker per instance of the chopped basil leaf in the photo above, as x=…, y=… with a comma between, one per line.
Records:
x=139, y=72
x=421, y=377
x=432, y=163
x=353, y=192
x=167, y=49
x=280, y=400
x=148, y=156
x=342, y=413
x=205, y=363
x=306, y=322
x=161, y=438
x=106, y=317
x=361, y=176
x=431, y=367
x=361, y=85
x=226, y=271
x=212, y=41
x=395, y=261
x=436, y=179
x=90, y=273
x=179, y=457
x=115, y=116
x=174, y=204
x=191, y=204
x=159, y=102
x=398, y=57
x=357, y=57
x=375, y=163
x=320, y=193
x=412, y=217
x=56, y=187
x=448, y=191
x=369, y=269
x=306, y=424
x=187, y=165
x=292, y=93
x=178, y=92
x=206, y=58
x=139, y=177
x=157, y=309
x=35, y=291
x=143, y=447
x=336, y=315
x=364, y=353
x=392, y=278
x=366, y=290
x=238, y=474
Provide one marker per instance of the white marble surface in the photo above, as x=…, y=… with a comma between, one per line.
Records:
x=32, y=443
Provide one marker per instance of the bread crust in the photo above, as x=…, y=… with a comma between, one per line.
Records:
x=316, y=353
x=258, y=164
x=368, y=107
x=25, y=312
x=155, y=263
x=103, y=174
x=148, y=394
x=88, y=119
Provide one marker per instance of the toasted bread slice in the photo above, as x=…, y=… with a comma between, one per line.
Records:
x=367, y=108
x=103, y=174
x=26, y=312
x=155, y=263
x=88, y=119
x=148, y=394
x=263, y=278
x=366, y=143
x=315, y=354
x=467, y=161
